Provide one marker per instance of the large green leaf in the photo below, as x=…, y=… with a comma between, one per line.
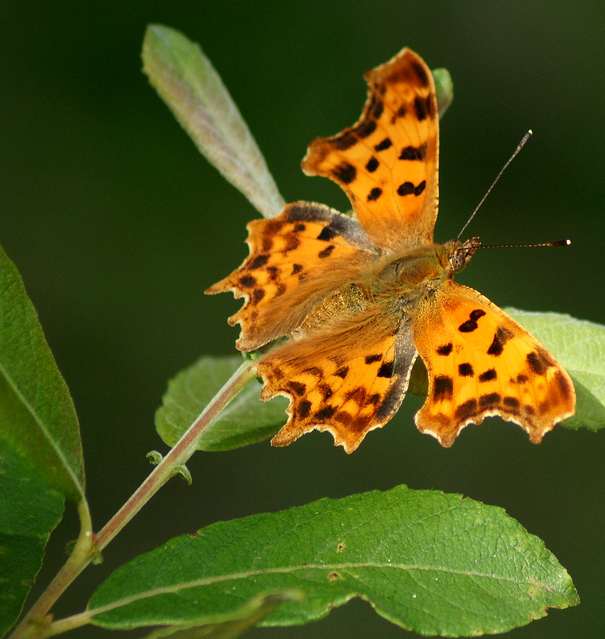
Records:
x=29, y=511
x=246, y=420
x=40, y=450
x=37, y=416
x=187, y=82
x=430, y=562
x=579, y=346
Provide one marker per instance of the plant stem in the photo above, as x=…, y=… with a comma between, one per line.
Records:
x=34, y=625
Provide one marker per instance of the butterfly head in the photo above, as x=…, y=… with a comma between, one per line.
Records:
x=459, y=253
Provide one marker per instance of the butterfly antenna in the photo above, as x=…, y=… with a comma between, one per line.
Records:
x=521, y=144
x=551, y=244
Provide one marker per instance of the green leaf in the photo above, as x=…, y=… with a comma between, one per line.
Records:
x=232, y=625
x=246, y=420
x=579, y=346
x=430, y=562
x=29, y=511
x=444, y=87
x=37, y=416
x=188, y=83
x=40, y=450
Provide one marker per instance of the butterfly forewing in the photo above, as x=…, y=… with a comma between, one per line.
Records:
x=295, y=261
x=387, y=162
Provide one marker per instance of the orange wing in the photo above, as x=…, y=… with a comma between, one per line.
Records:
x=387, y=162
x=480, y=362
x=295, y=261
x=347, y=380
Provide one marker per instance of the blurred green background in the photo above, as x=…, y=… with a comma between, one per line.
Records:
x=118, y=224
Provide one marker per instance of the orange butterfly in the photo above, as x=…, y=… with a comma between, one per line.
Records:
x=361, y=296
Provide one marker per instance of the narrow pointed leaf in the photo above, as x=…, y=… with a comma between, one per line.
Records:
x=231, y=626
x=188, y=83
x=29, y=511
x=37, y=416
x=444, y=87
x=246, y=420
x=430, y=562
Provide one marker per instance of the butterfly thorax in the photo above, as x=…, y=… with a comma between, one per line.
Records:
x=426, y=266
x=398, y=282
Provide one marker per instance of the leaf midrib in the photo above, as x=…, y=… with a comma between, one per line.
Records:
x=210, y=581
x=30, y=409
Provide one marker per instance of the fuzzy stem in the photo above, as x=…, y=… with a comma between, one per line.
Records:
x=35, y=624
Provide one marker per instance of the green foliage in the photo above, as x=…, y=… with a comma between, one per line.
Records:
x=444, y=88
x=37, y=416
x=187, y=82
x=29, y=511
x=246, y=420
x=430, y=562
x=580, y=347
x=40, y=451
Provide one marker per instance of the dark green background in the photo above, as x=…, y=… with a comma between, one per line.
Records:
x=118, y=224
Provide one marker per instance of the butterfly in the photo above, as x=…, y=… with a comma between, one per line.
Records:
x=361, y=296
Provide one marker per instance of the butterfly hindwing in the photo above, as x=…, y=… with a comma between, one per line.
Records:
x=480, y=362
x=295, y=261
x=348, y=380
x=387, y=162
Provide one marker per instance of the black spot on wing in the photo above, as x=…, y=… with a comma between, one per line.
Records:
x=374, y=194
x=304, y=408
x=327, y=251
x=383, y=145
x=420, y=108
x=466, y=410
x=491, y=400
x=344, y=141
x=297, y=387
x=327, y=233
x=247, y=281
x=420, y=73
x=258, y=261
x=445, y=349
x=443, y=387
x=363, y=129
x=413, y=152
x=386, y=369
x=501, y=336
x=257, y=295
x=511, y=403
x=466, y=370
x=345, y=172
x=488, y=375
x=372, y=164
x=325, y=413
x=373, y=358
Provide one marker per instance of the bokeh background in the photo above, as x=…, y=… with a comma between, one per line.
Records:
x=118, y=224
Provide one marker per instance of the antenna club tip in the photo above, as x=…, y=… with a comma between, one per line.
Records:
x=530, y=132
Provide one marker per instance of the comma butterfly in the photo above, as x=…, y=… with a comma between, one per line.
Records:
x=362, y=296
